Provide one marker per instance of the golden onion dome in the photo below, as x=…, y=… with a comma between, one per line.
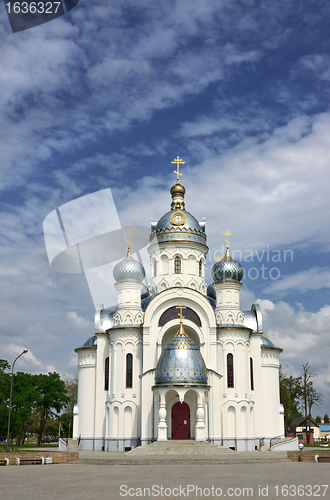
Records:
x=178, y=189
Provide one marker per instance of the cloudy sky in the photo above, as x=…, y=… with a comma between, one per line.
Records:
x=108, y=95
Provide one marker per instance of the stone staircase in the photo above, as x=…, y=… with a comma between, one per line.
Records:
x=177, y=452
x=72, y=445
x=188, y=448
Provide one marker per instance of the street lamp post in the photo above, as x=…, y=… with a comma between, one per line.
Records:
x=11, y=393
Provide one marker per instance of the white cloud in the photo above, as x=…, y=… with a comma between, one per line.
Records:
x=79, y=322
x=309, y=279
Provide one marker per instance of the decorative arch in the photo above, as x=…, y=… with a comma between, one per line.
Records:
x=163, y=285
x=164, y=264
x=172, y=313
x=191, y=264
x=192, y=284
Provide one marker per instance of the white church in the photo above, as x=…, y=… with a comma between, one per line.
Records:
x=178, y=359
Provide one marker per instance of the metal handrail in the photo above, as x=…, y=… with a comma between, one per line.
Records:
x=274, y=440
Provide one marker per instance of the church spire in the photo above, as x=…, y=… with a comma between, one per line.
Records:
x=178, y=161
x=227, y=233
x=129, y=234
x=178, y=191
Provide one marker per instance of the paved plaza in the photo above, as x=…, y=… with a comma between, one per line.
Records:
x=80, y=481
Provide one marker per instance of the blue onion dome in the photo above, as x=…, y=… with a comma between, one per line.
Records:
x=145, y=292
x=265, y=342
x=227, y=269
x=91, y=342
x=178, y=224
x=129, y=269
x=181, y=363
x=210, y=292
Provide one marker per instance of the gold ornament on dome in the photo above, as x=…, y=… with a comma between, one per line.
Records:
x=178, y=161
x=129, y=234
x=178, y=218
x=227, y=233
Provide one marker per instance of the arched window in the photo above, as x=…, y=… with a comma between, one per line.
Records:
x=177, y=265
x=129, y=370
x=172, y=313
x=155, y=267
x=251, y=374
x=106, y=374
x=230, y=370
x=200, y=268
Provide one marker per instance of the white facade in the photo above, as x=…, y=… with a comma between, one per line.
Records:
x=122, y=405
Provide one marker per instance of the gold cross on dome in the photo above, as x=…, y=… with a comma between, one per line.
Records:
x=129, y=234
x=218, y=258
x=178, y=161
x=227, y=233
x=180, y=306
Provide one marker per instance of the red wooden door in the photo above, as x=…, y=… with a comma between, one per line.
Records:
x=180, y=421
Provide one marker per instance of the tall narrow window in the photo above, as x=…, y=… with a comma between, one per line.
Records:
x=106, y=374
x=200, y=266
x=177, y=265
x=129, y=370
x=155, y=267
x=251, y=374
x=230, y=370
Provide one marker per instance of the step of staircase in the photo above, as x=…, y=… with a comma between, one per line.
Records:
x=179, y=448
x=72, y=445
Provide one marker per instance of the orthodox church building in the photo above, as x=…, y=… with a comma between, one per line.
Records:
x=178, y=359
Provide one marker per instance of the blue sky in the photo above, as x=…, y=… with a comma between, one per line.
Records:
x=109, y=94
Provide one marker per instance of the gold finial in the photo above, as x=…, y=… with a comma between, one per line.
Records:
x=218, y=258
x=227, y=233
x=178, y=161
x=181, y=306
x=129, y=234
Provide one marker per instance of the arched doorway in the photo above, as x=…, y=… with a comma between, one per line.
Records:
x=180, y=421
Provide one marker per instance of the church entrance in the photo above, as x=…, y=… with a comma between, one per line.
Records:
x=180, y=421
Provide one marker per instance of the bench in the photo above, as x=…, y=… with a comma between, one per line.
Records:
x=19, y=461
x=324, y=459
x=4, y=461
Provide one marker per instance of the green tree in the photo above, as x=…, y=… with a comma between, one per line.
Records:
x=4, y=401
x=290, y=393
x=318, y=420
x=50, y=399
x=309, y=396
x=23, y=400
x=4, y=365
x=71, y=385
x=326, y=419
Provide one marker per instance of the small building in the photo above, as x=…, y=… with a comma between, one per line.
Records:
x=324, y=431
x=299, y=428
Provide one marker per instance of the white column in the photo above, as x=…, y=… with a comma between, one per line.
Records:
x=162, y=426
x=200, y=430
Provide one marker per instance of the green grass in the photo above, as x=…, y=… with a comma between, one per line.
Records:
x=26, y=445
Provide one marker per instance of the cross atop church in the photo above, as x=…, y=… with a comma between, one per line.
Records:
x=180, y=306
x=129, y=234
x=227, y=233
x=218, y=258
x=178, y=161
